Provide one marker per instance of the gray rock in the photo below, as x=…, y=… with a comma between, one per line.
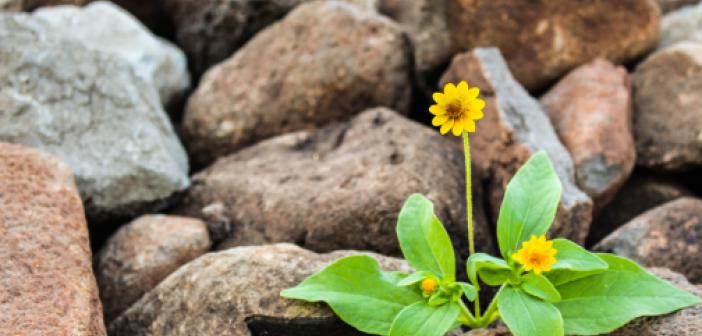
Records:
x=668, y=108
x=671, y=5
x=684, y=24
x=28, y=5
x=144, y=252
x=92, y=111
x=326, y=61
x=425, y=21
x=106, y=27
x=227, y=293
x=514, y=128
x=340, y=187
x=667, y=236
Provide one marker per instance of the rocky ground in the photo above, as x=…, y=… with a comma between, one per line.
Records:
x=168, y=166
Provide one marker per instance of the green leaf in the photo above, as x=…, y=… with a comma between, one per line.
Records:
x=526, y=315
x=493, y=271
x=423, y=239
x=468, y=289
x=529, y=205
x=573, y=262
x=420, y=319
x=540, y=287
x=414, y=278
x=606, y=301
x=358, y=292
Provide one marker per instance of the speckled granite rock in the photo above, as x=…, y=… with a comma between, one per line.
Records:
x=47, y=285
x=144, y=252
x=514, y=128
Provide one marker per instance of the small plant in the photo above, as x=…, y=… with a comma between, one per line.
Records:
x=546, y=287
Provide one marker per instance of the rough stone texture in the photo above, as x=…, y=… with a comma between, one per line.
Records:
x=90, y=110
x=541, y=40
x=27, y=5
x=325, y=61
x=338, y=188
x=144, y=252
x=591, y=110
x=681, y=25
x=514, y=128
x=643, y=191
x=425, y=20
x=667, y=236
x=219, y=294
x=103, y=26
x=46, y=282
x=671, y=5
x=210, y=30
x=668, y=108
x=686, y=322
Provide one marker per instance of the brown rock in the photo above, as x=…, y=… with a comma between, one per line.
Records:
x=671, y=5
x=144, y=252
x=542, y=40
x=338, y=188
x=667, y=236
x=425, y=21
x=324, y=62
x=514, y=128
x=46, y=282
x=29, y=5
x=686, y=322
x=643, y=191
x=591, y=111
x=230, y=292
x=668, y=108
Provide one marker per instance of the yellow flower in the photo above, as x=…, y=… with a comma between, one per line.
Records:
x=429, y=285
x=457, y=108
x=536, y=254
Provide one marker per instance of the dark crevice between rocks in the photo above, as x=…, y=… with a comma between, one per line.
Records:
x=275, y=326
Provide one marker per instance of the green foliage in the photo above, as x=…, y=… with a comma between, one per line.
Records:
x=582, y=294
x=529, y=205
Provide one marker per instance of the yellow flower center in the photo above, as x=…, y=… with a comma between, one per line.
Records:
x=429, y=285
x=537, y=254
x=455, y=110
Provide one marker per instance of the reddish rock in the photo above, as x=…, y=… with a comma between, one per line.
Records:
x=47, y=285
x=591, y=111
x=144, y=252
x=324, y=62
x=642, y=192
x=542, y=40
x=237, y=291
x=667, y=236
x=514, y=128
x=668, y=108
x=340, y=187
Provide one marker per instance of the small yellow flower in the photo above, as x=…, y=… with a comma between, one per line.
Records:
x=537, y=254
x=429, y=285
x=457, y=108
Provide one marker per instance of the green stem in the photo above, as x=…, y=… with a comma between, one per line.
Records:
x=469, y=210
x=470, y=320
x=491, y=313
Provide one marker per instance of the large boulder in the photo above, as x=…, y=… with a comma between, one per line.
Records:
x=229, y=293
x=142, y=253
x=425, y=21
x=668, y=108
x=106, y=27
x=591, y=110
x=326, y=61
x=340, y=187
x=91, y=110
x=667, y=236
x=514, y=128
x=542, y=40
x=47, y=285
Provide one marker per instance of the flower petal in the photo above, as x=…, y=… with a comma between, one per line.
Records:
x=438, y=120
x=475, y=114
x=446, y=126
x=439, y=98
x=462, y=90
x=473, y=93
x=458, y=128
x=437, y=109
x=450, y=92
x=469, y=126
